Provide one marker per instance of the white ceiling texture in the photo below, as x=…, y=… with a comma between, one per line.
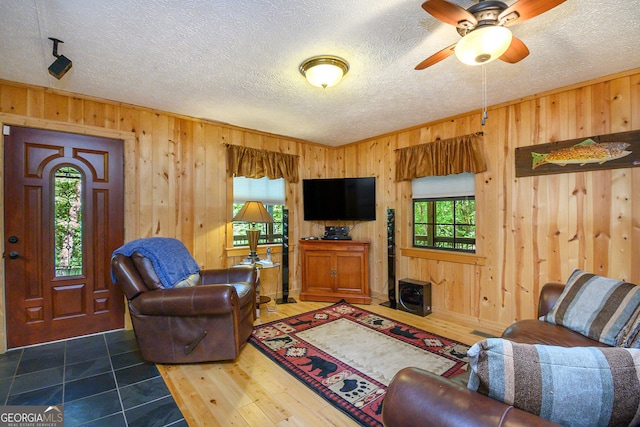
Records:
x=236, y=61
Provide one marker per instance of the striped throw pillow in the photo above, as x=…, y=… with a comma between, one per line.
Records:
x=597, y=307
x=572, y=386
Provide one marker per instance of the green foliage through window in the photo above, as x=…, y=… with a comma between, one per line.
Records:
x=68, y=221
x=445, y=223
x=269, y=233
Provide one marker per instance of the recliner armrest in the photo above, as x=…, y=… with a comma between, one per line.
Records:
x=418, y=397
x=191, y=301
x=548, y=297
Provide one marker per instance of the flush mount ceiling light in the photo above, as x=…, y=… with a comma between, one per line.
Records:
x=62, y=64
x=324, y=71
x=483, y=45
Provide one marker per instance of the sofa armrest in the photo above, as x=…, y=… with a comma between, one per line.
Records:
x=548, y=297
x=190, y=301
x=418, y=397
x=245, y=273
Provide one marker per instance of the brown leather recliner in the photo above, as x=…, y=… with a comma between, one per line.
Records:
x=206, y=322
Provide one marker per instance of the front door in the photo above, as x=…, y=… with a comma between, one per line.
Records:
x=63, y=217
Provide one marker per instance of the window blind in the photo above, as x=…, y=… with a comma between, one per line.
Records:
x=265, y=190
x=430, y=187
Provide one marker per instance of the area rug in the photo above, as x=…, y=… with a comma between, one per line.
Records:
x=349, y=355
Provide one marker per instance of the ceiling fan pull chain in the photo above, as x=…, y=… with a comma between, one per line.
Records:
x=484, y=94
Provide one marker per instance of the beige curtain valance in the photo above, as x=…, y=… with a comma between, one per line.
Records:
x=441, y=157
x=254, y=163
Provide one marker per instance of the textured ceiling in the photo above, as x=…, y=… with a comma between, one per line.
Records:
x=236, y=61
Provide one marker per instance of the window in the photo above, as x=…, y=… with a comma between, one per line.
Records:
x=68, y=221
x=444, y=212
x=268, y=191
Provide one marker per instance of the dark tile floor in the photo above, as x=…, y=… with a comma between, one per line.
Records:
x=101, y=380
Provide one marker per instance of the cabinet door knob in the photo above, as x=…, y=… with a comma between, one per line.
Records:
x=334, y=272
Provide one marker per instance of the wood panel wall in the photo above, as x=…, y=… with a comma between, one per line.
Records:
x=530, y=230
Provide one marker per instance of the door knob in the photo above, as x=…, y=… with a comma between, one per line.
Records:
x=14, y=255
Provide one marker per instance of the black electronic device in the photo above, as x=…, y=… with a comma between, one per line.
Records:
x=285, y=259
x=339, y=199
x=391, y=256
x=336, y=233
x=414, y=296
x=62, y=64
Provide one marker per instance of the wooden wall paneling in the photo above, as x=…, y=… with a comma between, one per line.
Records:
x=635, y=101
x=635, y=179
x=534, y=229
x=132, y=208
x=35, y=103
x=199, y=193
x=620, y=102
x=161, y=174
x=56, y=107
x=13, y=100
x=76, y=110
x=601, y=187
x=219, y=197
x=522, y=276
x=93, y=113
x=634, y=234
x=600, y=109
x=111, y=116
x=185, y=191
x=582, y=111
x=554, y=224
x=145, y=175
x=621, y=185
x=127, y=119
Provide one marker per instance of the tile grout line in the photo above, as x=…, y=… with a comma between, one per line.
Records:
x=115, y=379
x=13, y=377
x=64, y=373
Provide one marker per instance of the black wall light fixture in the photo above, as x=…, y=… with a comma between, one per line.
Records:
x=62, y=64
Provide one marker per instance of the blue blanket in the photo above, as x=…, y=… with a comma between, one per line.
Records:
x=170, y=258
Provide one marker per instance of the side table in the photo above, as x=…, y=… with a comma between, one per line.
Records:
x=263, y=299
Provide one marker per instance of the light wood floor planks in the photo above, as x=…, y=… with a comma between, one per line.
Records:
x=254, y=391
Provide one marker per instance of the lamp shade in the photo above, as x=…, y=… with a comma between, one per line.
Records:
x=324, y=71
x=483, y=45
x=253, y=211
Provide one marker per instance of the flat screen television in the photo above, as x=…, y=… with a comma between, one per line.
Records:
x=339, y=199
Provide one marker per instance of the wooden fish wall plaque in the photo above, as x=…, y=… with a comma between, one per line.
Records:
x=612, y=151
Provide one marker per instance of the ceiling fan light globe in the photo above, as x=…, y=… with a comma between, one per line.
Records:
x=483, y=45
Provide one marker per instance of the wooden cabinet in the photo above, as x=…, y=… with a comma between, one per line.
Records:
x=333, y=270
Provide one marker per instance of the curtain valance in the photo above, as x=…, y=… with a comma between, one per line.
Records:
x=254, y=163
x=441, y=157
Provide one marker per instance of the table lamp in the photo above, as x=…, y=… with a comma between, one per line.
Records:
x=253, y=212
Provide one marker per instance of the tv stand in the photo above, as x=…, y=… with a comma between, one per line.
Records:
x=335, y=270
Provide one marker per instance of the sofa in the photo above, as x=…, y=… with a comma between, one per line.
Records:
x=418, y=397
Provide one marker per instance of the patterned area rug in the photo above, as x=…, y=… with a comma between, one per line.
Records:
x=349, y=355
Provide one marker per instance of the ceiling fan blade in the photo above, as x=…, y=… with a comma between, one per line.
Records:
x=436, y=57
x=449, y=13
x=517, y=51
x=527, y=9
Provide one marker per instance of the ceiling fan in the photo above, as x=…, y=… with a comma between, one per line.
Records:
x=483, y=29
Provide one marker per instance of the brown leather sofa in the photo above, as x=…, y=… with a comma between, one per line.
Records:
x=417, y=397
x=206, y=322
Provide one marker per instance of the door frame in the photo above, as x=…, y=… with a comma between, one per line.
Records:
x=129, y=139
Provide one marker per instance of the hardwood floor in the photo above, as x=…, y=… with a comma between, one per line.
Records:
x=254, y=391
